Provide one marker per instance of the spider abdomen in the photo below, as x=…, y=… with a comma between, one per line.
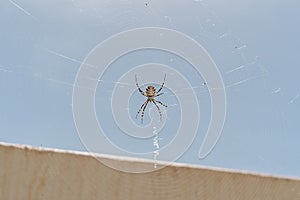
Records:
x=150, y=91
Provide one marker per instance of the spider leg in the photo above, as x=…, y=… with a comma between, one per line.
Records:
x=162, y=85
x=160, y=103
x=140, y=109
x=137, y=85
x=159, y=94
x=144, y=109
x=160, y=115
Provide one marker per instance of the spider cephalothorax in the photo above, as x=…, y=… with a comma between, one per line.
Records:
x=150, y=94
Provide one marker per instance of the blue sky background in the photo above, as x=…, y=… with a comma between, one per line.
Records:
x=255, y=45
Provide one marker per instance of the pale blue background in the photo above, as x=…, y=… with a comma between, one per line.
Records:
x=42, y=44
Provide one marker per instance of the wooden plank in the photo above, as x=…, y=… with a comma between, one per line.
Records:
x=36, y=173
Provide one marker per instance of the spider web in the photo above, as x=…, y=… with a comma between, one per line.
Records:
x=37, y=79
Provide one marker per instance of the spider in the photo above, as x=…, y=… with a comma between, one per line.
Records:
x=150, y=94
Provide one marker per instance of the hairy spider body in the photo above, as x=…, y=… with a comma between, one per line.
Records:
x=150, y=94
